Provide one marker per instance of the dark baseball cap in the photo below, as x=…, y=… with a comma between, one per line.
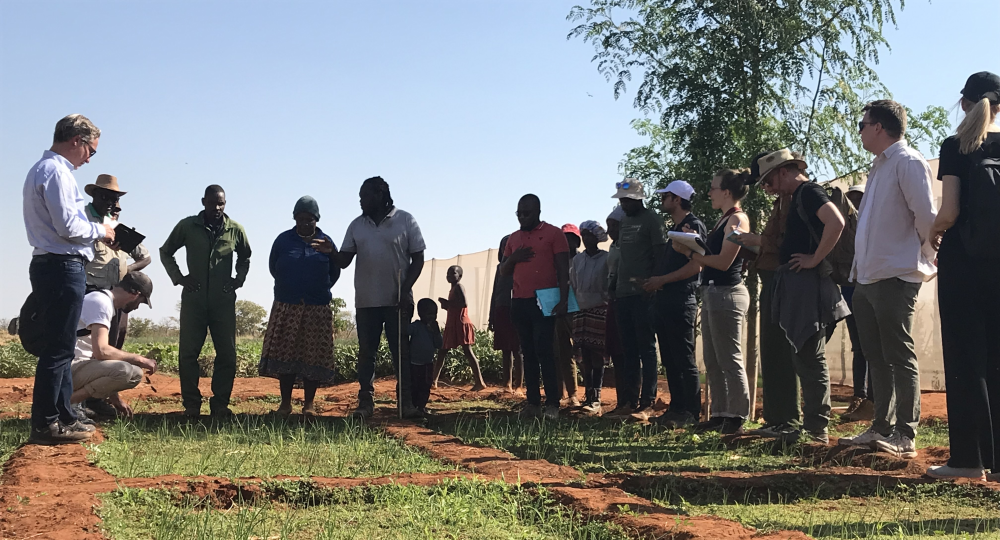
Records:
x=137, y=282
x=982, y=85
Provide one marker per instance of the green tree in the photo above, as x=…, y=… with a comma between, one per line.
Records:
x=139, y=327
x=728, y=79
x=343, y=323
x=251, y=318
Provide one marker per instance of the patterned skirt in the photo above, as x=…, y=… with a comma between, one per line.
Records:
x=589, y=328
x=299, y=341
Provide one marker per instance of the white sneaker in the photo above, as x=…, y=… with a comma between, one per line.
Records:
x=898, y=445
x=868, y=438
x=946, y=472
x=551, y=413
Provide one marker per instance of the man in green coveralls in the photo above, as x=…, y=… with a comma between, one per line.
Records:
x=208, y=301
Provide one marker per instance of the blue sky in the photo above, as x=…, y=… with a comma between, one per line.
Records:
x=462, y=106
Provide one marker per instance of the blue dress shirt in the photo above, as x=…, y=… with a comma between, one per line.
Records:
x=54, y=215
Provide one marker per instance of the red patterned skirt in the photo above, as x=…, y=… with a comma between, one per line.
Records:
x=299, y=341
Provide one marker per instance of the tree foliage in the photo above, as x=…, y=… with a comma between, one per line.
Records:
x=343, y=323
x=251, y=318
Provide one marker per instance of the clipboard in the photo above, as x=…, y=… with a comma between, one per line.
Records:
x=127, y=238
x=548, y=298
x=691, y=241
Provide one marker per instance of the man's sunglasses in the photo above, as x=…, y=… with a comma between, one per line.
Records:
x=862, y=124
x=93, y=151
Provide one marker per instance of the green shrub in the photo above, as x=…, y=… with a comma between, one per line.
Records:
x=15, y=361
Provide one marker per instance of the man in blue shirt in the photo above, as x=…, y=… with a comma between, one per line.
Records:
x=63, y=240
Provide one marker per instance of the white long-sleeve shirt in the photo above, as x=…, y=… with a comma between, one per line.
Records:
x=895, y=219
x=54, y=215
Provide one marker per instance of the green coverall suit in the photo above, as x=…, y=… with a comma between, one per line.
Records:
x=212, y=306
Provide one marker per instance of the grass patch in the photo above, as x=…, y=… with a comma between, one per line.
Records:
x=925, y=511
x=13, y=433
x=603, y=447
x=255, y=447
x=453, y=509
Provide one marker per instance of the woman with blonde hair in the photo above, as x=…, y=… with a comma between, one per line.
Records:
x=724, y=304
x=965, y=233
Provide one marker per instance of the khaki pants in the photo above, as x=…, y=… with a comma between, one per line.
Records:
x=102, y=378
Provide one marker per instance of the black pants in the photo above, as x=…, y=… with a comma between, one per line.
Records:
x=371, y=322
x=59, y=282
x=421, y=379
x=635, y=324
x=968, y=299
x=676, y=311
x=537, y=347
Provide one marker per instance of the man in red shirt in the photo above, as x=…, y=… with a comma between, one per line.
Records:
x=537, y=256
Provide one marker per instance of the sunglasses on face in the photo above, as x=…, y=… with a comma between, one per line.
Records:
x=862, y=124
x=91, y=149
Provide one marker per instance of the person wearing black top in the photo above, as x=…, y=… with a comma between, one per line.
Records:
x=805, y=299
x=969, y=293
x=676, y=308
x=725, y=302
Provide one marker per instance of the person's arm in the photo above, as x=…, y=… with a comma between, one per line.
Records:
x=412, y=271
x=519, y=255
x=272, y=259
x=724, y=259
x=562, y=278
x=833, y=225
x=334, y=268
x=174, y=242
x=343, y=257
x=951, y=196
x=243, y=259
x=460, y=297
x=691, y=269
x=141, y=257
x=915, y=183
x=104, y=351
x=60, y=200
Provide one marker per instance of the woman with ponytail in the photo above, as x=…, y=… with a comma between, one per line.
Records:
x=969, y=283
x=724, y=303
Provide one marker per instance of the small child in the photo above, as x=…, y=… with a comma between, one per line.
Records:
x=425, y=340
x=458, y=329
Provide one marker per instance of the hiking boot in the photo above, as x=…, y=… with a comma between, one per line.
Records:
x=100, y=408
x=80, y=426
x=868, y=438
x=530, y=412
x=859, y=409
x=946, y=472
x=551, y=413
x=712, y=424
x=642, y=414
x=13, y=327
x=731, y=426
x=775, y=431
x=898, y=445
x=81, y=414
x=363, y=411
x=56, y=433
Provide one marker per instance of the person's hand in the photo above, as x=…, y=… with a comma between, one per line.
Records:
x=561, y=307
x=687, y=228
x=443, y=302
x=654, y=283
x=123, y=408
x=230, y=287
x=190, y=283
x=109, y=234
x=937, y=234
x=147, y=364
x=801, y=261
x=322, y=245
x=521, y=254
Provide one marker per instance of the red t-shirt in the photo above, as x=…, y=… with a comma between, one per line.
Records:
x=540, y=271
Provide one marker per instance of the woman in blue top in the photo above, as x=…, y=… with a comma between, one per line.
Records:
x=298, y=344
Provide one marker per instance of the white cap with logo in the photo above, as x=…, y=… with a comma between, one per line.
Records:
x=680, y=188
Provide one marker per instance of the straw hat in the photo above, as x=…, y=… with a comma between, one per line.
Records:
x=104, y=181
x=774, y=160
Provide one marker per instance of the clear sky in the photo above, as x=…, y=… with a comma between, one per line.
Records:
x=462, y=106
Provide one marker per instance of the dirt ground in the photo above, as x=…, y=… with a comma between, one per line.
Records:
x=50, y=492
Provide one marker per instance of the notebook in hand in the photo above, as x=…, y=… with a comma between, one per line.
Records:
x=127, y=238
x=690, y=240
x=548, y=298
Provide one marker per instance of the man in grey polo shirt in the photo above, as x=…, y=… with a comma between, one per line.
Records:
x=390, y=252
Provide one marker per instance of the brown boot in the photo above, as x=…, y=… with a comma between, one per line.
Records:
x=860, y=409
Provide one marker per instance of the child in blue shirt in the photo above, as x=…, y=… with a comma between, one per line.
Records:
x=425, y=340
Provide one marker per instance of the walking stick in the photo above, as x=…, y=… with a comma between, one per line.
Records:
x=399, y=343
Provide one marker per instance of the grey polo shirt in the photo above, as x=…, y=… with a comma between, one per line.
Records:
x=383, y=256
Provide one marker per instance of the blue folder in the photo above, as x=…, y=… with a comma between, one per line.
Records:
x=548, y=298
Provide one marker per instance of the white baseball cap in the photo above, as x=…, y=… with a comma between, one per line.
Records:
x=680, y=188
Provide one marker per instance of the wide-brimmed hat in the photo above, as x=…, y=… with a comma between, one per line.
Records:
x=104, y=181
x=630, y=188
x=774, y=160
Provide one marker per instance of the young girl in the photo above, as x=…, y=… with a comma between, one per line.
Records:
x=458, y=329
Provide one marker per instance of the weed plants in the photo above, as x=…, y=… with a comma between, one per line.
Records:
x=464, y=509
x=254, y=446
x=13, y=433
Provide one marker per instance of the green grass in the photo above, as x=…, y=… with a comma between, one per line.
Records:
x=13, y=433
x=602, y=447
x=254, y=446
x=453, y=509
x=915, y=512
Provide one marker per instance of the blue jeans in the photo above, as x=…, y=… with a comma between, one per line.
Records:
x=370, y=323
x=637, y=384
x=59, y=283
x=537, y=335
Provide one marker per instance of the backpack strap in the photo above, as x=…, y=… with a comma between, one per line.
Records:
x=801, y=209
x=113, y=329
